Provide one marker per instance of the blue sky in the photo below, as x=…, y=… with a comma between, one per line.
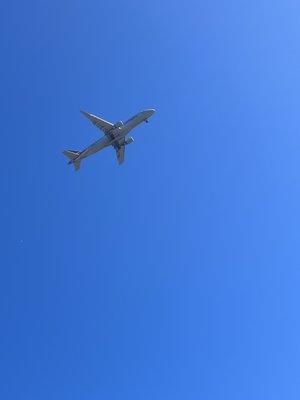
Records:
x=175, y=276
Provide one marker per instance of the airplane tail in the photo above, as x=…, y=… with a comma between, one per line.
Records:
x=72, y=155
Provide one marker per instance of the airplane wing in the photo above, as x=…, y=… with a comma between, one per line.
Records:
x=119, y=146
x=120, y=154
x=100, y=123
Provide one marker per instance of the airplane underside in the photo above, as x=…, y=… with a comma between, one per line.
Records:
x=115, y=136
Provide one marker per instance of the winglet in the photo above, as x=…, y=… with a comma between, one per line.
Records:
x=86, y=114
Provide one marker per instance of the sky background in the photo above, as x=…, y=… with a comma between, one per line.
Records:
x=175, y=276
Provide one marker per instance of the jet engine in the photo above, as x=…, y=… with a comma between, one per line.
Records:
x=129, y=140
x=119, y=124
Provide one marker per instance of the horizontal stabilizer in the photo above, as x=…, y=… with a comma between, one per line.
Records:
x=77, y=164
x=72, y=155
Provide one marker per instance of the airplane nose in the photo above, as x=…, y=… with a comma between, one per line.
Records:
x=150, y=111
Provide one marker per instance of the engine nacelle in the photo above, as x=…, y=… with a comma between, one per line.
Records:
x=119, y=124
x=129, y=140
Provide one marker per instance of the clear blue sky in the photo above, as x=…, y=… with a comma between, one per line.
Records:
x=177, y=275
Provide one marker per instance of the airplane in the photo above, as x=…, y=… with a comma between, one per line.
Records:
x=114, y=135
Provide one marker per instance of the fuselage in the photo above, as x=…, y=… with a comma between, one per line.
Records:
x=117, y=133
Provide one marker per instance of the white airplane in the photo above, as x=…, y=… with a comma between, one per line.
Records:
x=114, y=135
